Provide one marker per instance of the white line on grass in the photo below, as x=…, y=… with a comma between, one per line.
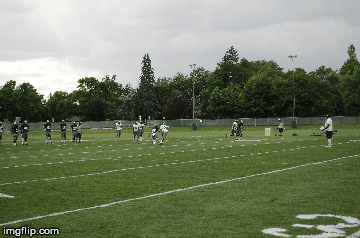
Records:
x=169, y=192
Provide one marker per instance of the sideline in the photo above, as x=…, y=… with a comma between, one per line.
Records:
x=171, y=191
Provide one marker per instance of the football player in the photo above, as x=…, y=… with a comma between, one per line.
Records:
x=62, y=128
x=47, y=127
x=281, y=126
x=1, y=130
x=73, y=128
x=24, y=128
x=239, y=129
x=140, y=130
x=233, y=129
x=118, y=127
x=78, y=133
x=164, y=130
x=135, y=130
x=14, y=130
x=329, y=130
x=153, y=134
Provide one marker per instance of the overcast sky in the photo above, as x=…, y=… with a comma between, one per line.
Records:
x=53, y=43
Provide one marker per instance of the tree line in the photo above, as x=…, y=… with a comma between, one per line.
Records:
x=236, y=88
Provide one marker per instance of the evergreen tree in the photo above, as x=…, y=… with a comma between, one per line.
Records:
x=147, y=104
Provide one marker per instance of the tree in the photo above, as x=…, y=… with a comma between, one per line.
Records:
x=178, y=106
x=60, y=106
x=147, y=104
x=231, y=56
x=350, y=86
x=95, y=110
x=350, y=64
x=21, y=101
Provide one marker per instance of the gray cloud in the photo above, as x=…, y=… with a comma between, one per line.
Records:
x=110, y=37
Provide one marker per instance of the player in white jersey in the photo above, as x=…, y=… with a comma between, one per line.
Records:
x=233, y=129
x=164, y=130
x=281, y=127
x=140, y=129
x=135, y=130
x=118, y=127
x=329, y=130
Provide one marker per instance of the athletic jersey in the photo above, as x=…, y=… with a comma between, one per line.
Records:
x=140, y=126
x=234, y=125
x=281, y=125
x=74, y=127
x=118, y=126
x=14, y=129
x=24, y=127
x=135, y=127
x=164, y=128
x=240, y=125
x=79, y=129
x=62, y=126
x=329, y=122
x=47, y=126
x=1, y=128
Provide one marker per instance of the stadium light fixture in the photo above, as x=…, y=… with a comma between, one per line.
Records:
x=193, y=68
x=292, y=59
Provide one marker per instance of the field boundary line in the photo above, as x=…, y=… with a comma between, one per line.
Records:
x=172, y=191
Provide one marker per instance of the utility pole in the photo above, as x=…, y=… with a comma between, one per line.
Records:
x=193, y=68
x=293, y=124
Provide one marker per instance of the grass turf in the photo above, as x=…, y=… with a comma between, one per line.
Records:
x=198, y=184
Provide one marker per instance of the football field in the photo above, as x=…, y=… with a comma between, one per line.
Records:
x=197, y=184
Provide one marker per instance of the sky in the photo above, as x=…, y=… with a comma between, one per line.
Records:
x=51, y=44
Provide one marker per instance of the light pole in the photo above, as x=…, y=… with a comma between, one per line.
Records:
x=293, y=125
x=193, y=68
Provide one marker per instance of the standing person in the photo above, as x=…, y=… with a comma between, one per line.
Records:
x=135, y=130
x=329, y=130
x=62, y=128
x=281, y=126
x=78, y=133
x=1, y=131
x=239, y=129
x=118, y=127
x=153, y=134
x=47, y=127
x=14, y=130
x=164, y=130
x=73, y=131
x=24, y=128
x=140, y=129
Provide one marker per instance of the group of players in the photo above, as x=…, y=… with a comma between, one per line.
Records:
x=138, y=130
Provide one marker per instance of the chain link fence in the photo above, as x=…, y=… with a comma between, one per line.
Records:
x=199, y=122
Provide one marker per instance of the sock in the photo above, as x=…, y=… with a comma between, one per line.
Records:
x=329, y=141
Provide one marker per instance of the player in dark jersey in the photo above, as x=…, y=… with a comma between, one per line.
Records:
x=73, y=131
x=14, y=130
x=47, y=127
x=62, y=128
x=24, y=128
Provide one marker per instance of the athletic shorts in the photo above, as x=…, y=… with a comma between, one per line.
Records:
x=281, y=129
x=141, y=131
x=74, y=134
x=164, y=134
x=233, y=131
x=48, y=134
x=78, y=135
x=63, y=134
x=15, y=136
x=329, y=134
x=135, y=133
x=118, y=132
x=24, y=135
x=154, y=136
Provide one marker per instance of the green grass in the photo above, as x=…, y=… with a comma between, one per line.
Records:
x=198, y=184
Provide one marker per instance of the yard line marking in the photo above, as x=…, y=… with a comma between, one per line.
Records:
x=357, y=234
x=6, y=196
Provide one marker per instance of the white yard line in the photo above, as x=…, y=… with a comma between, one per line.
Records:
x=174, y=191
